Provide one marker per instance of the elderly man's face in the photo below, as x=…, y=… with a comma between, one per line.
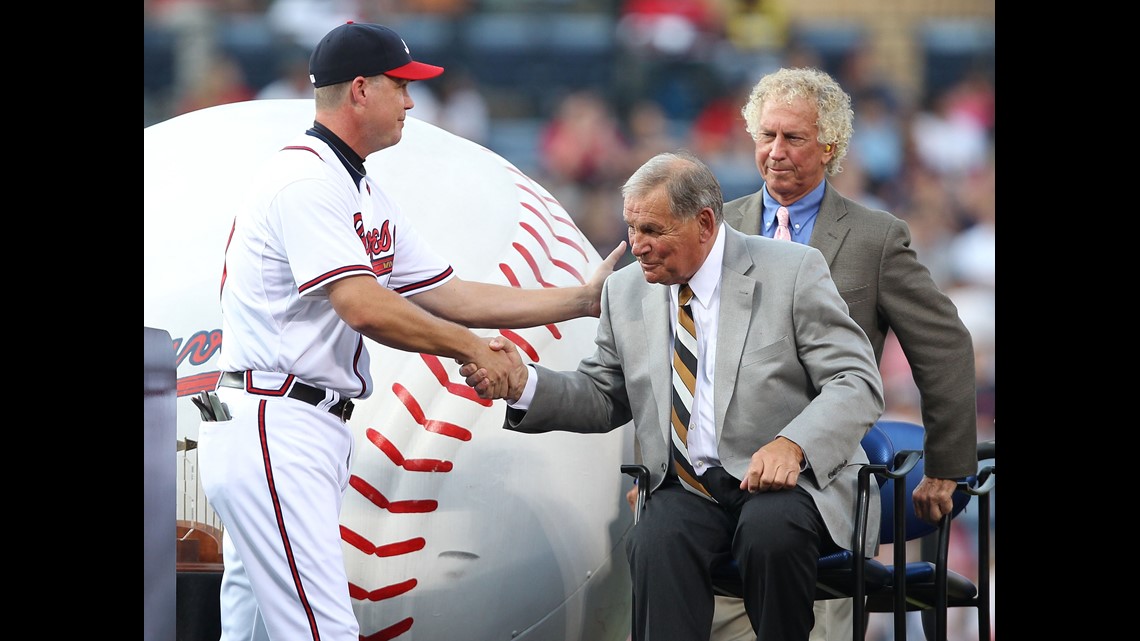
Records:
x=670, y=250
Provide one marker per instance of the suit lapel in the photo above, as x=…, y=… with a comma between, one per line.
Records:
x=746, y=218
x=736, y=302
x=830, y=230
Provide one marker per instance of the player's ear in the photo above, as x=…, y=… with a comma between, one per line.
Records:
x=358, y=88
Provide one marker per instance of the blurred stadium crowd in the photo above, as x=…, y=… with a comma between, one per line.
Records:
x=578, y=93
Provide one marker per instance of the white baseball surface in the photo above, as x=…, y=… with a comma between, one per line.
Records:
x=454, y=528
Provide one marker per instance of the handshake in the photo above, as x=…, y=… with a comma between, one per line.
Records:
x=497, y=372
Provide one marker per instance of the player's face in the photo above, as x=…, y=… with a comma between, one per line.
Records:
x=788, y=154
x=668, y=249
x=388, y=103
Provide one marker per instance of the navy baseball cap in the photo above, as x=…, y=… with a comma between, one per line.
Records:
x=359, y=49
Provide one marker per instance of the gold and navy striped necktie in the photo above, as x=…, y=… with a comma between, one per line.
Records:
x=684, y=387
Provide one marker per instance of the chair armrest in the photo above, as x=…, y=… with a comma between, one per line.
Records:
x=982, y=483
x=640, y=475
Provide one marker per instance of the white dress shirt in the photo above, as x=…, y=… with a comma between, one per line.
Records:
x=705, y=307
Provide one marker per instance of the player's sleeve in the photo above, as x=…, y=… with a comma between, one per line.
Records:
x=317, y=232
x=416, y=267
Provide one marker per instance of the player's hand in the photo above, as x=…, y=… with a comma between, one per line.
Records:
x=933, y=498
x=473, y=376
x=516, y=381
x=488, y=371
x=631, y=498
x=776, y=466
x=598, y=278
x=490, y=382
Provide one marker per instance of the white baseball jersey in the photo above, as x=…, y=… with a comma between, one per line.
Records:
x=311, y=219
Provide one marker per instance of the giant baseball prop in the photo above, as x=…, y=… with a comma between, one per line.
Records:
x=454, y=528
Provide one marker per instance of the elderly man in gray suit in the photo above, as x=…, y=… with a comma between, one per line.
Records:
x=782, y=386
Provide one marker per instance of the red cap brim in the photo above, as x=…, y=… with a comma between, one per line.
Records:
x=415, y=71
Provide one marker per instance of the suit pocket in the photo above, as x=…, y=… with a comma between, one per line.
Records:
x=766, y=352
x=857, y=295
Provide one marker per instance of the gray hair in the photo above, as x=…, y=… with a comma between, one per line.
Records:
x=832, y=104
x=690, y=184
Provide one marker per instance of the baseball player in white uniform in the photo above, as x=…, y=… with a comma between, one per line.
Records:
x=320, y=257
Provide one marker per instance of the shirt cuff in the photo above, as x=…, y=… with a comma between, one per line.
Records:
x=523, y=403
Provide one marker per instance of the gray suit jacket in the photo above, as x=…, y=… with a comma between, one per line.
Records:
x=886, y=288
x=790, y=361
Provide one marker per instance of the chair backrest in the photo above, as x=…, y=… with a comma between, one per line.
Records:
x=907, y=436
x=879, y=447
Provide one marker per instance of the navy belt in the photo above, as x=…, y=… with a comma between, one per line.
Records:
x=314, y=396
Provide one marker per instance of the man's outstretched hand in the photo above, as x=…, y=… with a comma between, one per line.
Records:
x=509, y=387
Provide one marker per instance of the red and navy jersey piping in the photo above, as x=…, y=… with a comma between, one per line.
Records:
x=325, y=277
x=425, y=283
